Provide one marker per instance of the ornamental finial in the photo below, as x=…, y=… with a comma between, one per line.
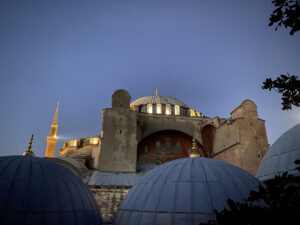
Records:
x=156, y=92
x=29, y=152
x=193, y=151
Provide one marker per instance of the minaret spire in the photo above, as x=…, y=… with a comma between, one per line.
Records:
x=55, y=118
x=156, y=92
x=52, y=138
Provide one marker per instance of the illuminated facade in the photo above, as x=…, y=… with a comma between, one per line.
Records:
x=156, y=129
x=140, y=135
x=52, y=138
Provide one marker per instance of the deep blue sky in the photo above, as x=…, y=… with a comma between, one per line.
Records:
x=209, y=54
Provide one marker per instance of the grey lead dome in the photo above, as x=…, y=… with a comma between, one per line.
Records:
x=281, y=156
x=36, y=191
x=184, y=191
x=158, y=100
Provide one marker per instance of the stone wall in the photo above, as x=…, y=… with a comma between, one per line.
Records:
x=151, y=123
x=242, y=141
x=118, y=142
x=118, y=136
x=108, y=199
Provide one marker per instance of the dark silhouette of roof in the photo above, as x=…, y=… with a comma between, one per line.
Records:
x=37, y=191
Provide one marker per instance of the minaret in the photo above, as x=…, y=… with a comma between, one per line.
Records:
x=52, y=138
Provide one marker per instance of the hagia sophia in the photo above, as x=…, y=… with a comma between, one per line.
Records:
x=156, y=161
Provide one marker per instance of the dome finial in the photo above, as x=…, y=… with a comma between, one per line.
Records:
x=156, y=92
x=29, y=152
x=193, y=151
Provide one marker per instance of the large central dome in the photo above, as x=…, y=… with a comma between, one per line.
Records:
x=158, y=100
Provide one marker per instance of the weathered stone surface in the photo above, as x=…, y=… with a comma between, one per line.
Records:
x=243, y=140
x=128, y=133
x=108, y=199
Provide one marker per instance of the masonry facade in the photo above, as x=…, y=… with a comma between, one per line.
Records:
x=155, y=129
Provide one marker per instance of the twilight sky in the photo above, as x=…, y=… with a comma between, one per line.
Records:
x=211, y=55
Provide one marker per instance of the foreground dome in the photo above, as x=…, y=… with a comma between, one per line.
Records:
x=184, y=191
x=281, y=155
x=158, y=100
x=37, y=191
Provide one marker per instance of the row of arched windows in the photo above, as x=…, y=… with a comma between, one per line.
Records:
x=159, y=110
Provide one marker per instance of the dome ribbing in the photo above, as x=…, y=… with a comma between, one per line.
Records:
x=184, y=191
x=158, y=100
x=281, y=155
x=37, y=191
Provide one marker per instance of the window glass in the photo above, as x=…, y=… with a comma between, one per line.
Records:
x=158, y=108
x=168, y=109
x=177, y=110
x=149, y=108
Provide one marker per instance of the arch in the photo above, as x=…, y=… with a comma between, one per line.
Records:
x=158, y=108
x=164, y=146
x=168, y=109
x=177, y=110
x=149, y=108
x=149, y=125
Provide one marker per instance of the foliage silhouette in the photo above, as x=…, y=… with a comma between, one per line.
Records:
x=280, y=198
x=289, y=86
x=287, y=14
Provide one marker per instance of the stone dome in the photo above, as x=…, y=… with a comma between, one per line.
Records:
x=38, y=191
x=158, y=100
x=281, y=155
x=184, y=191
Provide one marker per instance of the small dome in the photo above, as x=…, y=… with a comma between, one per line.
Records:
x=37, y=191
x=281, y=155
x=184, y=191
x=158, y=100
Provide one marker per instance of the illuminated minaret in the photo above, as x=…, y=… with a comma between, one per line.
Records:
x=52, y=138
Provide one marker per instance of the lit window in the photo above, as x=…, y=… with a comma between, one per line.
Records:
x=94, y=141
x=177, y=110
x=192, y=112
x=168, y=109
x=158, y=108
x=73, y=143
x=149, y=108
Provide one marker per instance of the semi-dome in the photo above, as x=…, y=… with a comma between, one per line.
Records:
x=38, y=191
x=184, y=191
x=281, y=155
x=158, y=100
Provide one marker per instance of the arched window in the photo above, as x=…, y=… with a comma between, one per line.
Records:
x=177, y=110
x=158, y=108
x=149, y=108
x=168, y=109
